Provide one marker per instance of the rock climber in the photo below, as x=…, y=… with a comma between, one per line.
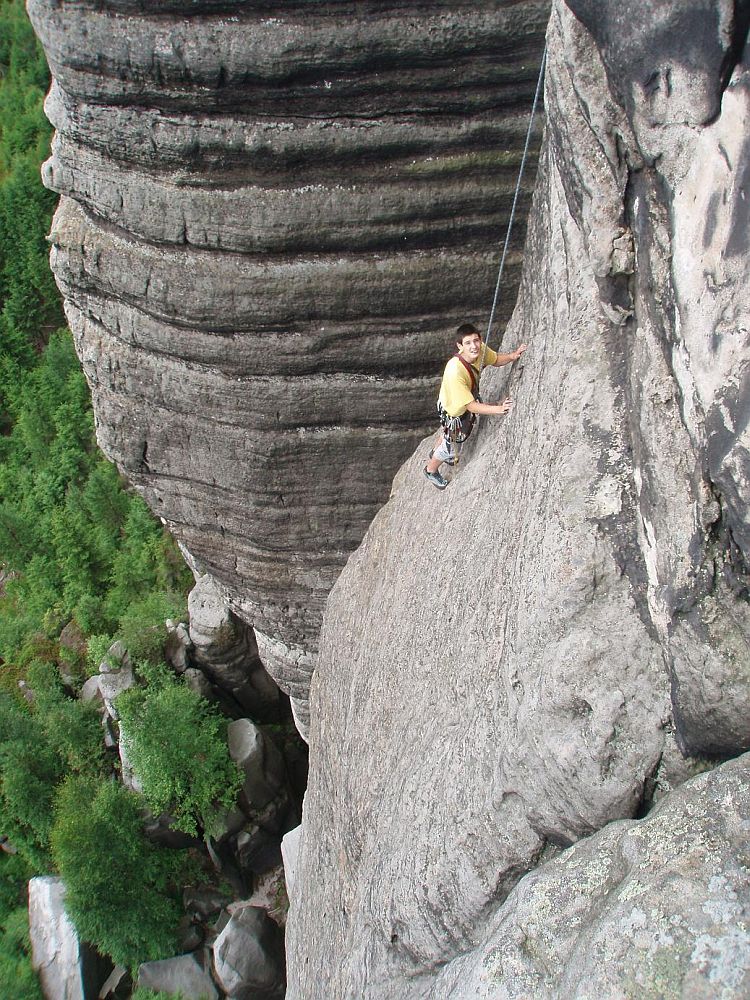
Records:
x=459, y=402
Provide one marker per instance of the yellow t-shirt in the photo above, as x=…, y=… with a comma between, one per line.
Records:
x=455, y=389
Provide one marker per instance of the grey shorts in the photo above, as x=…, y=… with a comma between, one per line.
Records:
x=446, y=450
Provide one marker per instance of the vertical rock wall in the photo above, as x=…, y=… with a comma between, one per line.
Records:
x=273, y=217
x=512, y=664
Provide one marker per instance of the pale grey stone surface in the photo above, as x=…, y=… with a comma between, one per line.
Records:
x=68, y=969
x=182, y=975
x=225, y=649
x=518, y=662
x=248, y=957
x=261, y=761
x=290, y=847
x=512, y=664
x=115, y=676
x=656, y=908
x=55, y=947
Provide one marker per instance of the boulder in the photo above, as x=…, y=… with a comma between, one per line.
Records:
x=225, y=649
x=115, y=675
x=183, y=975
x=290, y=848
x=653, y=908
x=248, y=956
x=257, y=849
x=178, y=646
x=90, y=691
x=204, y=902
x=197, y=681
x=128, y=774
x=67, y=968
x=261, y=761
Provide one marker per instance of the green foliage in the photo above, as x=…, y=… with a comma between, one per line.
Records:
x=14, y=873
x=29, y=772
x=178, y=747
x=141, y=993
x=17, y=978
x=29, y=305
x=39, y=744
x=75, y=550
x=121, y=890
x=71, y=728
x=79, y=545
x=142, y=628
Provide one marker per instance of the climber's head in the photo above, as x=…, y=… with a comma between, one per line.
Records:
x=468, y=341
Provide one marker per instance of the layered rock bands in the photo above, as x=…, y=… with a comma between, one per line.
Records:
x=565, y=639
x=273, y=218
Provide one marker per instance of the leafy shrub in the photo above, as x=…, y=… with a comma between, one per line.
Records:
x=71, y=728
x=177, y=745
x=143, y=994
x=29, y=771
x=120, y=888
x=17, y=978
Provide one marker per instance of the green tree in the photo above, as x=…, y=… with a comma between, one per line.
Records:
x=29, y=772
x=17, y=978
x=178, y=747
x=121, y=890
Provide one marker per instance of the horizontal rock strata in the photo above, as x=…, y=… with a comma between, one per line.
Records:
x=516, y=662
x=274, y=216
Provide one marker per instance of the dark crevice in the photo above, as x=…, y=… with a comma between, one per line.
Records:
x=739, y=42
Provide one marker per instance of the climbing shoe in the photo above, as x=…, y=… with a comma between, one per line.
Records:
x=446, y=461
x=435, y=478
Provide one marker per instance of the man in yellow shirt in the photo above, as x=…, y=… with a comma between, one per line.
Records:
x=459, y=400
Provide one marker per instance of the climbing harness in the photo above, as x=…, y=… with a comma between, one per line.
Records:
x=457, y=429
x=450, y=430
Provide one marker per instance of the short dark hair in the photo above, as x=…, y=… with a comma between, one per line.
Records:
x=465, y=330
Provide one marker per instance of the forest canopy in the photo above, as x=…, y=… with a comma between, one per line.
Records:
x=82, y=561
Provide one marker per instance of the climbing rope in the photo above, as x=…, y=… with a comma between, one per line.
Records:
x=456, y=447
x=524, y=157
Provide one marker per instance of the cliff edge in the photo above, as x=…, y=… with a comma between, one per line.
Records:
x=273, y=217
x=551, y=643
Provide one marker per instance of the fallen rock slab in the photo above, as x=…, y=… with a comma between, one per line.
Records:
x=182, y=975
x=653, y=908
x=68, y=969
x=249, y=957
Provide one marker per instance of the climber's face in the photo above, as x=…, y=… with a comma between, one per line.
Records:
x=470, y=346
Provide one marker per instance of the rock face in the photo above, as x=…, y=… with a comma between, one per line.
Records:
x=510, y=665
x=67, y=968
x=225, y=648
x=274, y=217
x=182, y=975
x=271, y=213
x=657, y=908
x=248, y=956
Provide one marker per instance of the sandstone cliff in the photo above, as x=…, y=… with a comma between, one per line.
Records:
x=274, y=215
x=267, y=229
x=511, y=665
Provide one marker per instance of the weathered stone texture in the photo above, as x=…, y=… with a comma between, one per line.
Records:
x=657, y=908
x=510, y=665
x=273, y=217
x=68, y=969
